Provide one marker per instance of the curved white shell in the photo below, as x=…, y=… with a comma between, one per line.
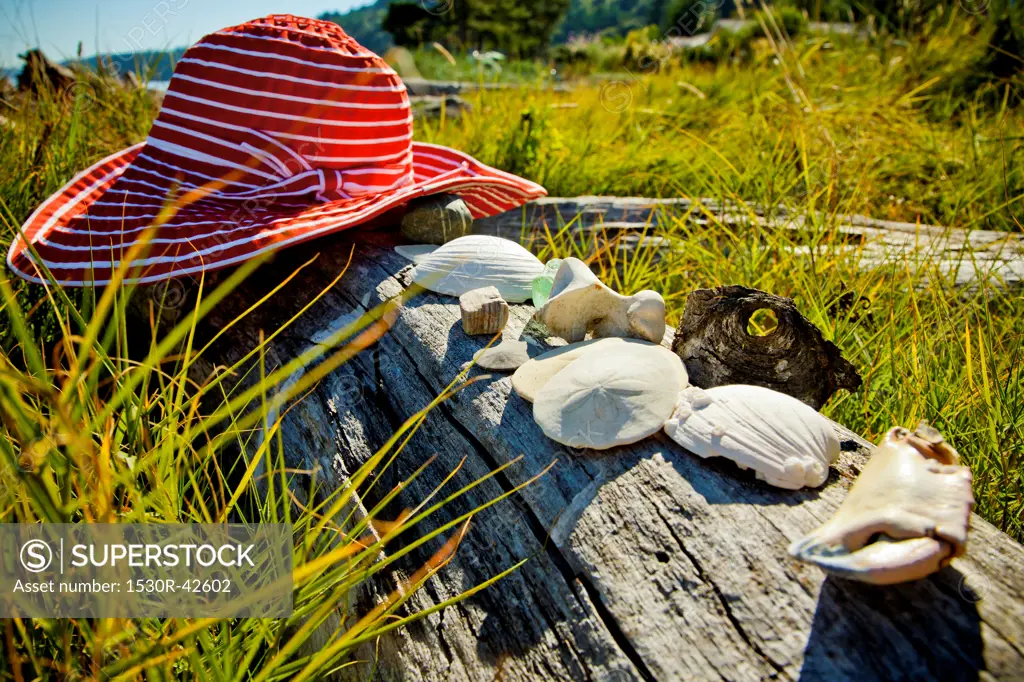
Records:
x=477, y=261
x=415, y=252
x=905, y=517
x=786, y=442
x=605, y=399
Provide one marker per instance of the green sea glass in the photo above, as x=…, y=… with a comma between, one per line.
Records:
x=542, y=283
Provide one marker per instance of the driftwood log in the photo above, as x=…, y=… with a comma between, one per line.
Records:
x=40, y=73
x=422, y=87
x=965, y=257
x=645, y=562
x=795, y=359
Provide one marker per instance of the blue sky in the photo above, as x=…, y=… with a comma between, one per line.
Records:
x=130, y=25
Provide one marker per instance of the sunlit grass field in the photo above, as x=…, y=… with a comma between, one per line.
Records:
x=833, y=123
x=92, y=433
x=824, y=127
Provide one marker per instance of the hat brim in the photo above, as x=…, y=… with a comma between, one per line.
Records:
x=85, y=257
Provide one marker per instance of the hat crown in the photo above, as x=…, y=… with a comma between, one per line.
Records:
x=313, y=32
x=271, y=133
x=283, y=96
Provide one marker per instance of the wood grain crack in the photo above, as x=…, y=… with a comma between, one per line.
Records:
x=721, y=598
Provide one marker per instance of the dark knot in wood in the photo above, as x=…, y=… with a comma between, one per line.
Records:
x=714, y=344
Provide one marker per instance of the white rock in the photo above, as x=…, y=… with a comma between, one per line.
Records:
x=787, y=443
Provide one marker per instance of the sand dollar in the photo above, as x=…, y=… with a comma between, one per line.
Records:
x=605, y=399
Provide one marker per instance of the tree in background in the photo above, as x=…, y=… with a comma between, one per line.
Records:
x=364, y=24
x=410, y=24
x=687, y=17
x=618, y=17
x=519, y=27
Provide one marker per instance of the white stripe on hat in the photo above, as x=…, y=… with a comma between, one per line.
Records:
x=289, y=78
x=295, y=60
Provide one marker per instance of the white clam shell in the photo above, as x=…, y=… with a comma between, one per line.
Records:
x=786, y=442
x=477, y=261
x=605, y=399
x=905, y=517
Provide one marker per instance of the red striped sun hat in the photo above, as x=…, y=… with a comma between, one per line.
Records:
x=271, y=133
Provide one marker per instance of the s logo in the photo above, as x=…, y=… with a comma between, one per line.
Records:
x=36, y=556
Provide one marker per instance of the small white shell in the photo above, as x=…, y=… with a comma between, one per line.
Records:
x=605, y=399
x=477, y=261
x=787, y=443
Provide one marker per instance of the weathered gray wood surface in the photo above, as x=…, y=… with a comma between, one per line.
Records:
x=966, y=256
x=647, y=563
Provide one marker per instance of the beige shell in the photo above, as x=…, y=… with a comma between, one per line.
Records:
x=787, y=443
x=477, y=261
x=532, y=376
x=905, y=517
x=484, y=311
x=581, y=303
x=605, y=399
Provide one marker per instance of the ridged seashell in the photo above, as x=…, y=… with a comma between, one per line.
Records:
x=905, y=517
x=477, y=261
x=581, y=303
x=484, y=311
x=786, y=443
x=605, y=399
